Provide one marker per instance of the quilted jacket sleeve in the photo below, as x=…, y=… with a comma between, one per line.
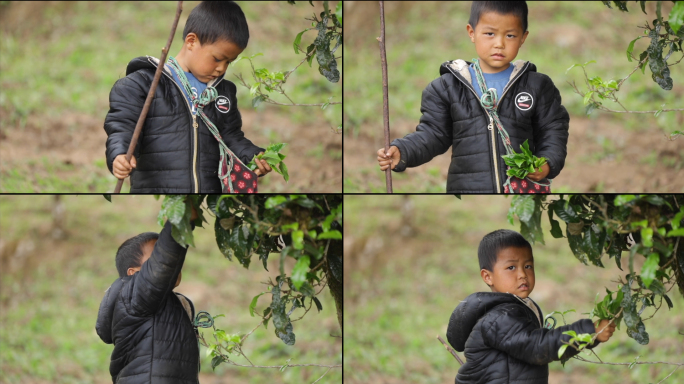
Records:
x=551, y=122
x=126, y=100
x=433, y=135
x=232, y=134
x=511, y=331
x=158, y=274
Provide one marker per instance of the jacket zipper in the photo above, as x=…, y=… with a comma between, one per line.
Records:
x=195, y=131
x=491, y=122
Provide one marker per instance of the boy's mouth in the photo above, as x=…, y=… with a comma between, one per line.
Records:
x=524, y=287
x=498, y=56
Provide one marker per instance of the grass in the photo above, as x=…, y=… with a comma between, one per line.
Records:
x=560, y=35
x=50, y=294
x=47, y=176
x=413, y=269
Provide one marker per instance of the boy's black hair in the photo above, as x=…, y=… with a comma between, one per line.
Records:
x=516, y=8
x=218, y=20
x=495, y=241
x=131, y=251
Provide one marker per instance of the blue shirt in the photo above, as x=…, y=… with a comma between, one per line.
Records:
x=197, y=87
x=492, y=80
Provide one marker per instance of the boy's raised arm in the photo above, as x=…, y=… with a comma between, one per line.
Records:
x=517, y=336
x=433, y=136
x=126, y=100
x=551, y=122
x=158, y=275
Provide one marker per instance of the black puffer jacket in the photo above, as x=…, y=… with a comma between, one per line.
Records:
x=154, y=340
x=453, y=117
x=504, y=341
x=172, y=156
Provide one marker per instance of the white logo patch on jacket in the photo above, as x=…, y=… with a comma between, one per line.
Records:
x=223, y=104
x=524, y=101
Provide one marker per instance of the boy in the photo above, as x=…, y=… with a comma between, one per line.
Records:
x=176, y=150
x=502, y=332
x=528, y=106
x=150, y=326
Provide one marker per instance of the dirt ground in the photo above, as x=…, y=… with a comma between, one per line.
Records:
x=79, y=140
x=602, y=157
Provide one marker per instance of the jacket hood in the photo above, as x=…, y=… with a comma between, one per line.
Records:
x=461, y=67
x=149, y=62
x=469, y=311
x=106, y=312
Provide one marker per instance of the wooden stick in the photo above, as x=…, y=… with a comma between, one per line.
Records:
x=150, y=95
x=385, y=106
x=451, y=350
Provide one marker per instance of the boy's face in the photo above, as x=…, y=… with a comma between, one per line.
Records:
x=497, y=40
x=147, y=252
x=513, y=272
x=209, y=61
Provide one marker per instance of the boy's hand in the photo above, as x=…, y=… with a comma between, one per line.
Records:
x=392, y=156
x=123, y=168
x=262, y=166
x=536, y=176
x=607, y=333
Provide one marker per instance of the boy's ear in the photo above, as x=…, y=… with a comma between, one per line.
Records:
x=471, y=32
x=524, y=37
x=486, y=277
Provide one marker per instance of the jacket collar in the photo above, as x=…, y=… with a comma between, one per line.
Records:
x=150, y=62
x=461, y=67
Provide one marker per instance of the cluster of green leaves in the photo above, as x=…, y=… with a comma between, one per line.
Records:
x=521, y=164
x=671, y=40
x=580, y=342
x=600, y=224
x=274, y=158
x=247, y=225
x=329, y=28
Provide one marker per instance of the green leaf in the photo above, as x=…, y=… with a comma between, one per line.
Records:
x=647, y=237
x=677, y=219
x=676, y=232
x=623, y=199
x=298, y=239
x=222, y=239
x=669, y=302
x=216, y=361
x=523, y=206
x=338, y=11
x=565, y=211
x=587, y=97
x=274, y=201
x=108, y=197
x=253, y=304
x=299, y=271
x=630, y=48
x=298, y=40
x=334, y=235
x=556, y=230
x=258, y=100
x=562, y=349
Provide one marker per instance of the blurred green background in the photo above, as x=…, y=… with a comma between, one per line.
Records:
x=607, y=152
x=59, y=60
x=408, y=262
x=57, y=260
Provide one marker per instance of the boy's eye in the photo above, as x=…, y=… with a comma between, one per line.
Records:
x=528, y=266
x=511, y=268
x=511, y=36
